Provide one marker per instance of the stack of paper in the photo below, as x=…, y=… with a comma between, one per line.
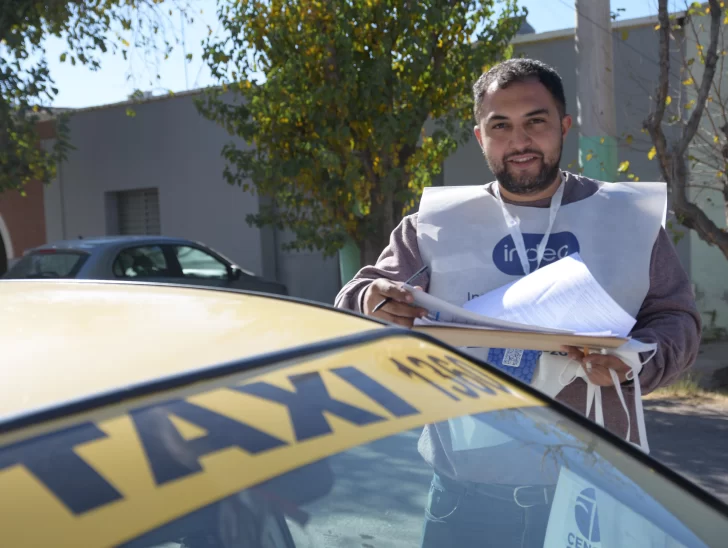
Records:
x=561, y=298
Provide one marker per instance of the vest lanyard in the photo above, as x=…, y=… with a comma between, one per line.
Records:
x=515, y=230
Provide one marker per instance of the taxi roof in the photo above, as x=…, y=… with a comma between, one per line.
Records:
x=71, y=339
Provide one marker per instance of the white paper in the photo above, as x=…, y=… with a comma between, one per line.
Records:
x=445, y=313
x=563, y=295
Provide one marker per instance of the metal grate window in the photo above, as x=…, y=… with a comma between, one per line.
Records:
x=139, y=212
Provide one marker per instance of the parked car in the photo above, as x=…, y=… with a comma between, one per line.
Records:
x=145, y=415
x=140, y=258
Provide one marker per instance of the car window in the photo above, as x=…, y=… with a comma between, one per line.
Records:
x=359, y=448
x=387, y=493
x=48, y=264
x=195, y=263
x=141, y=262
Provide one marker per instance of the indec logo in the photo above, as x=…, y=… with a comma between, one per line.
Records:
x=559, y=245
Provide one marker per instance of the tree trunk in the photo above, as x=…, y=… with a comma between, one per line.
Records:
x=371, y=249
x=387, y=221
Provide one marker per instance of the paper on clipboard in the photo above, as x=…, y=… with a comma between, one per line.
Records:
x=442, y=312
x=563, y=295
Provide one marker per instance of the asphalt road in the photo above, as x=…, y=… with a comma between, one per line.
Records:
x=692, y=440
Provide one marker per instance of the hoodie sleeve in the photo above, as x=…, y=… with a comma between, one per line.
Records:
x=399, y=260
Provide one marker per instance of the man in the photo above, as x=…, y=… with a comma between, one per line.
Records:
x=469, y=238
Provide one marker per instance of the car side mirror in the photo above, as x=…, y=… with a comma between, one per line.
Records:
x=235, y=273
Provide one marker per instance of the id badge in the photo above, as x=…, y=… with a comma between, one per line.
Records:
x=518, y=363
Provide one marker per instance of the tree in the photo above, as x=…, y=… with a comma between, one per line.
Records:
x=697, y=158
x=26, y=86
x=338, y=144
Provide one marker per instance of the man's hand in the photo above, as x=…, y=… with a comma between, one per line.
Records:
x=598, y=372
x=398, y=310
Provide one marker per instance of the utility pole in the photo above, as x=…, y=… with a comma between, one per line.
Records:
x=595, y=90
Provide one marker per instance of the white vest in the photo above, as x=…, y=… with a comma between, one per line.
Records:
x=463, y=239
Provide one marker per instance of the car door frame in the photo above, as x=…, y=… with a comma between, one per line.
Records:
x=172, y=266
x=171, y=257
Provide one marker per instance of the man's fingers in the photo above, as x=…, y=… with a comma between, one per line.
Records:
x=573, y=352
x=607, y=362
x=393, y=290
x=404, y=310
x=399, y=320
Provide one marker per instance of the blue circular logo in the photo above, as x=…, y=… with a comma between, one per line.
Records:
x=585, y=513
x=559, y=245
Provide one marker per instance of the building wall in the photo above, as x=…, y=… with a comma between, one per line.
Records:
x=22, y=218
x=167, y=145
x=22, y=223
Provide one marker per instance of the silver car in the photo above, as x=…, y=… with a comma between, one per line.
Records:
x=139, y=258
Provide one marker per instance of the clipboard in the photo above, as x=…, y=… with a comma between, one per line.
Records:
x=530, y=340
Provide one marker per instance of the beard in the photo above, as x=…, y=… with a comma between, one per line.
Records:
x=526, y=183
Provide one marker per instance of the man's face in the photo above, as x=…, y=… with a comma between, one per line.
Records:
x=521, y=134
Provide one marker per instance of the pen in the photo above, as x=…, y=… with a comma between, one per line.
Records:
x=411, y=278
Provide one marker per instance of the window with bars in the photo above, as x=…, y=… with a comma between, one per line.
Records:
x=138, y=212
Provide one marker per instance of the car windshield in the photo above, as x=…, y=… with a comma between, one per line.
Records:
x=405, y=490
x=382, y=445
x=48, y=264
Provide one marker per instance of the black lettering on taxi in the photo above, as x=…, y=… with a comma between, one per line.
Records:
x=310, y=398
x=52, y=460
x=487, y=383
x=468, y=380
x=411, y=372
x=380, y=394
x=440, y=368
x=171, y=457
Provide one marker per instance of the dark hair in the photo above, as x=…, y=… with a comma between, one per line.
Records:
x=518, y=70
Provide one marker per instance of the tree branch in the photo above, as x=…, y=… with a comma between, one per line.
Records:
x=711, y=60
x=673, y=161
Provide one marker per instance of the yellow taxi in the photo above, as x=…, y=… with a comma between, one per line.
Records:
x=143, y=415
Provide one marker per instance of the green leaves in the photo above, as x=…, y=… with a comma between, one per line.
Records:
x=26, y=86
x=360, y=104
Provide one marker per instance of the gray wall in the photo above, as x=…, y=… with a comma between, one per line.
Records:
x=636, y=75
x=168, y=145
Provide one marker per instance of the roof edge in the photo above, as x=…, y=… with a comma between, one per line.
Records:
x=639, y=22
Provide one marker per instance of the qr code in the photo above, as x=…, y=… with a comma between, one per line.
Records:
x=512, y=357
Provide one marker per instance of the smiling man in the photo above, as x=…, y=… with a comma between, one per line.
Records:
x=480, y=237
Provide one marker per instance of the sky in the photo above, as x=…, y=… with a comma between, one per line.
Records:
x=80, y=87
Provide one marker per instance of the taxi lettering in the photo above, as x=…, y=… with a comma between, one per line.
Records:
x=171, y=457
x=53, y=461
x=307, y=394
x=466, y=381
x=307, y=404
